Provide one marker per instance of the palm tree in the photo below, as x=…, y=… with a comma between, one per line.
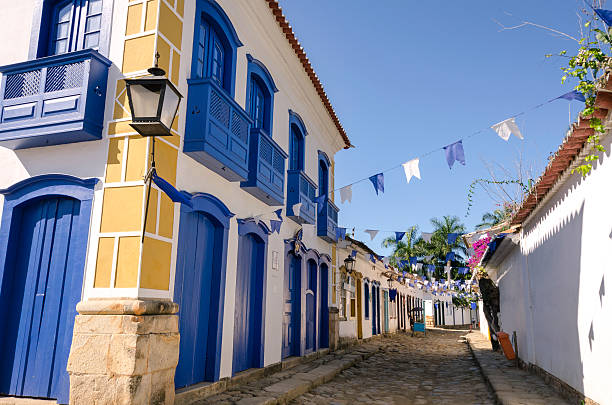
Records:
x=405, y=248
x=490, y=219
x=438, y=246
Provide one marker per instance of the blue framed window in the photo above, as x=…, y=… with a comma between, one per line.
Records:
x=258, y=107
x=297, y=138
x=75, y=25
x=215, y=44
x=324, y=164
x=260, y=95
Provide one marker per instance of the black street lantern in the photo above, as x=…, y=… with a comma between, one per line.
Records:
x=349, y=264
x=154, y=102
x=390, y=282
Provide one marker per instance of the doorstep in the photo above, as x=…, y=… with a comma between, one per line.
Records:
x=26, y=401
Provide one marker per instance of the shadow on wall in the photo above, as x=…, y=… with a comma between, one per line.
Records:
x=553, y=269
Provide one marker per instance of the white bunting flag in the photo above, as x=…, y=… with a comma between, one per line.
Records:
x=507, y=127
x=426, y=236
x=419, y=266
x=346, y=194
x=372, y=233
x=411, y=168
x=296, y=209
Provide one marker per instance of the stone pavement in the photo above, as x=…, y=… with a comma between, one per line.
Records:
x=435, y=369
x=287, y=384
x=511, y=384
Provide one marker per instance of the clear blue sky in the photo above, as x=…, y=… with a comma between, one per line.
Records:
x=406, y=77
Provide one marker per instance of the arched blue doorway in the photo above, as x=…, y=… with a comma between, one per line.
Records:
x=291, y=306
x=250, y=292
x=323, y=306
x=311, y=304
x=199, y=288
x=43, y=243
x=374, y=316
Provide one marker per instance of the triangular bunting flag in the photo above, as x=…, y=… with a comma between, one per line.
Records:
x=426, y=236
x=507, y=127
x=372, y=233
x=572, y=95
x=605, y=15
x=399, y=236
x=340, y=233
x=411, y=169
x=454, y=152
x=320, y=201
x=169, y=190
x=346, y=194
x=296, y=209
x=451, y=238
x=378, y=181
x=275, y=225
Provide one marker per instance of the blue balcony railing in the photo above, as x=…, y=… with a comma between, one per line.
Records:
x=217, y=130
x=266, y=169
x=53, y=100
x=327, y=221
x=300, y=189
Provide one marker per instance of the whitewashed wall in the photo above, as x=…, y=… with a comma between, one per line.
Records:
x=554, y=289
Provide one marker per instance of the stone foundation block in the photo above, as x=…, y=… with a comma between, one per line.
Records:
x=124, y=352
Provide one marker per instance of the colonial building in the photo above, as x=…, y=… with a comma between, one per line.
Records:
x=551, y=272
x=374, y=298
x=94, y=297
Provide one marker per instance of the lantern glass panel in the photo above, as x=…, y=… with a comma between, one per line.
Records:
x=145, y=100
x=171, y=102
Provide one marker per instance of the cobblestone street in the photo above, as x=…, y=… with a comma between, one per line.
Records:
x=436, y=369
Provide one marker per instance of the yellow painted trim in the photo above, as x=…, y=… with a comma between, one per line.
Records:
x=104, y=262
x=122, y=209
x=170, y=25
x=128, y=256
x=151, y=17
x=155, y=268
x=136, y=158
x=115, y=157
x=166, y=216
x=138, y=53
x=134, y=19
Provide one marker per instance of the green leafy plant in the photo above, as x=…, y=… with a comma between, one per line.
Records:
x=472, y=190
x=591, y=58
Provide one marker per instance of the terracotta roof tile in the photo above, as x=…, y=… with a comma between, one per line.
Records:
x=299, y=51
x=563, y=158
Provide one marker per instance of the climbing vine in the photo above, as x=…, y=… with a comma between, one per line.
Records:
x=590, y=59
x=472, y=189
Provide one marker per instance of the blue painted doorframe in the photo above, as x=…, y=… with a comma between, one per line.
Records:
x=311, y=306
x=291, y=306
x=386, y=312
x=199, y=288
x=304, y=342
x=249, y=312
x=43, y=242
x=323, y=306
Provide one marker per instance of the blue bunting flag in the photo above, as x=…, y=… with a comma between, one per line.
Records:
x=378, y=181
x=572, y=95
x=454, y=152
x=452, y=238
x=170, y=191
x=399, y=236
x=605, y=15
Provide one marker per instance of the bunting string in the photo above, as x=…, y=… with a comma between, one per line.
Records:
x=503, y=129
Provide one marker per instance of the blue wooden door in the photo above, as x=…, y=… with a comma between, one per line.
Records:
x=311, y=302
x=291, y=309
x=386, y=314
x=324, y=309
x=248, y=310
x=43, y=288
x=192, y=292
x=373, y=310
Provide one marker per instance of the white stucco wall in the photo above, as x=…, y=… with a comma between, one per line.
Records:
x=264, y=40
x=553, y=284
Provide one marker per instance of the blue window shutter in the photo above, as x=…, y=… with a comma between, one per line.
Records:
x=218, y=62
x=76, y=25
x=201, y=51
x=257, y=105
x=63, y=17
x=93, y=24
